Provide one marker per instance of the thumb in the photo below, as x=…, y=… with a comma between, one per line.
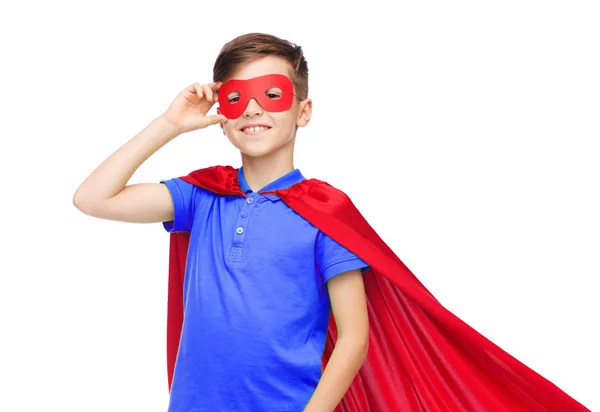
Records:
x=216, y=118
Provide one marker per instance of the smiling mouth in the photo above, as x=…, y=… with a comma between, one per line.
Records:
x=254, y=131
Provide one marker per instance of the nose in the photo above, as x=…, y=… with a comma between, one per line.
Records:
x=252, y=108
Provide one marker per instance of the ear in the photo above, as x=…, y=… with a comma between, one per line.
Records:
x=304, y=113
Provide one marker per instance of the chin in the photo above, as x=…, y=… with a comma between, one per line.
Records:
x=256, y=151
x=259, y=147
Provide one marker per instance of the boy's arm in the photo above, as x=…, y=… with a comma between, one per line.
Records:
x=349, y=307
x=103, y=193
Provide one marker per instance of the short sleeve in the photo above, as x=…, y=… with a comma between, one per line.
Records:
x=332, y=259
x=184, y=197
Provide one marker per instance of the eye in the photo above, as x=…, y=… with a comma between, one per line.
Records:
x=232, y=97
x=274, y=93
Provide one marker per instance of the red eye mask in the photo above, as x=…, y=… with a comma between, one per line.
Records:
x=256, y=88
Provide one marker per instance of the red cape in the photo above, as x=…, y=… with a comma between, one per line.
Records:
x=421, y=356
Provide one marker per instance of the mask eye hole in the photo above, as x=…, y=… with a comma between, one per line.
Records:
x=231, y=98
x=274, y=93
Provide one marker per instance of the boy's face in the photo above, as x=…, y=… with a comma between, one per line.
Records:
x=282, y=124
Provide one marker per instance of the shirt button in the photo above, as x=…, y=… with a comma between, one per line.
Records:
x=250, y=200
x=244, y=214
x=240, y=230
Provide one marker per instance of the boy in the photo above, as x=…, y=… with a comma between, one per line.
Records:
x=261, y=256
x=256, y=307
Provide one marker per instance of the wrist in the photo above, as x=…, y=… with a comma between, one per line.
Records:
x=171, y=130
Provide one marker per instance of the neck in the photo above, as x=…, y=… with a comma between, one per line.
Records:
x=260, y=171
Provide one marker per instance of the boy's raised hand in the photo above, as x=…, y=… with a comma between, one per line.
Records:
x=188, y=111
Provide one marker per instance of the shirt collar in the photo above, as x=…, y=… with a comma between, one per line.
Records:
x=285, y=181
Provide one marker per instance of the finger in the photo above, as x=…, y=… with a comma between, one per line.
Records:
x=208, y=92
x=216, y=88
x=198, y=89
x=215, y=119
x=212, y=89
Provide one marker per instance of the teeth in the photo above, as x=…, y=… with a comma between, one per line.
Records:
x=255, y=129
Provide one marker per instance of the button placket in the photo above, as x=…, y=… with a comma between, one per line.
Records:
x=241, y=225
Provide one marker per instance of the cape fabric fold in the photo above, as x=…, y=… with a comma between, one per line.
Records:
x=421, y=356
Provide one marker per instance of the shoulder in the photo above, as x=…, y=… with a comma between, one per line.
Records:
x=218, y=172
x=218, y=179
x=317, y=190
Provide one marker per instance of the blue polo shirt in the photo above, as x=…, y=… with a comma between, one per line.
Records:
x=256, y=304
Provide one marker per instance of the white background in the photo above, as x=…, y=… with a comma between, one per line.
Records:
x=466, y=132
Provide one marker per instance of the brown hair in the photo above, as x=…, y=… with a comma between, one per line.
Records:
x=253, y=46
